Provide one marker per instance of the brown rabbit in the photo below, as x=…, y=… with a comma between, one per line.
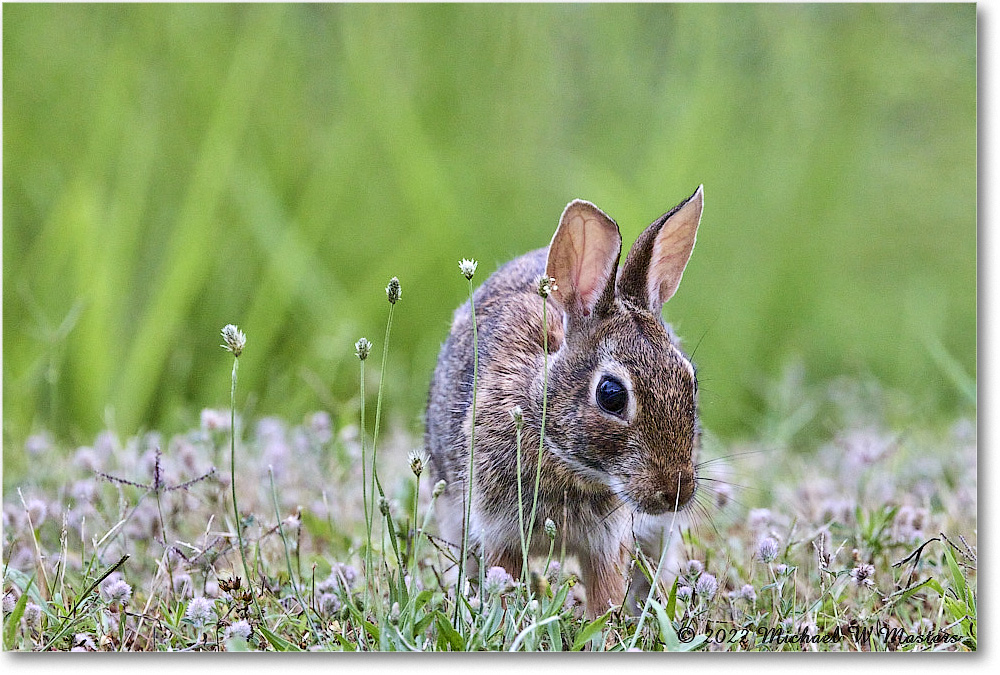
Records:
x=621, y=425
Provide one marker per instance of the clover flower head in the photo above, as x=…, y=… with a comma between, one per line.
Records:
x=240, y=629
x=767, y=549
x=200, y=611
x=497, y=581
x=706, y=586
x=695, y=567
x=118, y=592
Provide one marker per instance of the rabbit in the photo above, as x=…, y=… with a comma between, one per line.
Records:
x=621, y=424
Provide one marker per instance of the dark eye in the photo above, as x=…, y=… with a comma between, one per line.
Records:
x=611, y=395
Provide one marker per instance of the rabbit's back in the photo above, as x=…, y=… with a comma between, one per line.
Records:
x=508, y=316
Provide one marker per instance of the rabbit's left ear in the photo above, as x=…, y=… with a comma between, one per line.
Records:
x=653, y=268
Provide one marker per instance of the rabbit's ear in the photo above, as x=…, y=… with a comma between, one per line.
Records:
x=653, y=268
x=583, y=259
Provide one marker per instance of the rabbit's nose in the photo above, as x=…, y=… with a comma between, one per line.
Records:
x=675, y=492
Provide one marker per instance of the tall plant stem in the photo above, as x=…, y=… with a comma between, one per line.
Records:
x=364, y=496
x=472, y=450
x=375, y=480
x=232, y=481
x=232, y=467
x=520, y=508
x=541, y=432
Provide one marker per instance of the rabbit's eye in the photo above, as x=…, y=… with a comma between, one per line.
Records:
x=612, y=395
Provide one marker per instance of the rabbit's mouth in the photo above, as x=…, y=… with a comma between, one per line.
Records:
x=670, y=494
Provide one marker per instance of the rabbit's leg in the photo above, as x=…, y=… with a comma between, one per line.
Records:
x=505, y=557
x=604, y=579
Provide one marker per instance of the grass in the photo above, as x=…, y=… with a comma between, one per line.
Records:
x=241, y=161
x=865, y=540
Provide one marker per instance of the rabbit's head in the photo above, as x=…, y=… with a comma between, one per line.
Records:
x=622, y=395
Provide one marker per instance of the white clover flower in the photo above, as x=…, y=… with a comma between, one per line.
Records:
x=684, y=593
x=550, y=528
x=117, y=592
x=767, y=549
x=215, y=420
x=200, y=611
x=239, y=628
x=694, y=568
x=497, y=581
x=235, y=340
x=706, y=586
x=468, y=268
x=32, y=613
x=329, y=603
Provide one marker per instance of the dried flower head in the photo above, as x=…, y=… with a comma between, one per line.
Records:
x=418, y=460
x=546, y=285
x=439, y=488
x=383, y=506
x=32, y=613
x=468, y=268
x=362, y=348
x=862, y=575
x=497, y=581
x=767, y=549
x=393, y=291
x=234, y=339
x=517, y=415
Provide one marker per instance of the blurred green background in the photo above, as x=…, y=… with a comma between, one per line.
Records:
x=168, y=169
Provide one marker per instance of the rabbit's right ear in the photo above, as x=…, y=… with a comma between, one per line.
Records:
x=583, y=260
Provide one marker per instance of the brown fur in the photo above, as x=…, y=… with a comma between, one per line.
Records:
x=598, y=470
